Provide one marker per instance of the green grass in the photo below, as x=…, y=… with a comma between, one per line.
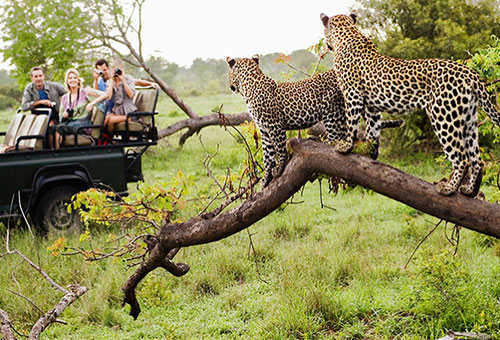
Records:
x=317, y=273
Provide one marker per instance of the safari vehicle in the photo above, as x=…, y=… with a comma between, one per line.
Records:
x=38, y=182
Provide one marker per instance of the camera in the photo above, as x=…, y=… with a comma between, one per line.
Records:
x=101, y=72
x=70, y=112
x=118, y=72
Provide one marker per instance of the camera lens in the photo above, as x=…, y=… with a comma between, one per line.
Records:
x=101, y=72
x=118, y=72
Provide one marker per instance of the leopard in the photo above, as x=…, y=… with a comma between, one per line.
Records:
x=277, y=107
x=449, y=92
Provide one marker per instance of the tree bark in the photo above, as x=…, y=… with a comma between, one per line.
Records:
x=194, y=125
x=310, y=158
x=5, y=326
x=51, y=316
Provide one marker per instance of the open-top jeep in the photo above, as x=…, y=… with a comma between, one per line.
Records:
x=37, y=181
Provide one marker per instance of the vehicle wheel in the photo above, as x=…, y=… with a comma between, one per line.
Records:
x=52, y=214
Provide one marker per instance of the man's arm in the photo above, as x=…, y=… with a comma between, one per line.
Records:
x=95, y=74
x=61, y=90
x=142, y=82
x=29, y=102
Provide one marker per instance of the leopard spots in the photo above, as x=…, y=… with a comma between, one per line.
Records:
x=449, y=93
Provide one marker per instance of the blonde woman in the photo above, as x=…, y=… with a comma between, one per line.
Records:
x=121, y=90
x=74, y=110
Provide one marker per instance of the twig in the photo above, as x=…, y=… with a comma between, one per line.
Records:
x=32, y=264
x=320, y=57
x=24, y=215
x=27, y=299
x=298, y=70
x=251, y=248
x=421, y=242
x=321, y=198
x=492, y=82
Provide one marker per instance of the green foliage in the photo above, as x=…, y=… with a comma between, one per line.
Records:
x=150, y=204
x=10, y=97
x=43, y=33
x=486, y=62
x=440, y=294
x=428, y=28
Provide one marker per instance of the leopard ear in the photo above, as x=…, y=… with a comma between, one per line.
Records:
x=255, y=58
x=354, y=16
x=325, y=19
x=231, y=61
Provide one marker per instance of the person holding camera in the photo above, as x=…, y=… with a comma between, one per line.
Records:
x=75, y=112
x=42, y=94
x=121, y=90
x=102, y=74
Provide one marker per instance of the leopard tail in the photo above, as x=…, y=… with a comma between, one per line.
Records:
x=485, y=102
x=388, y=124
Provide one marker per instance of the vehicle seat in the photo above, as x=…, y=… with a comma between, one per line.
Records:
x=36, y=135
x=24, y=129
x=84, y=139
x=11, y=133
x=143, y=119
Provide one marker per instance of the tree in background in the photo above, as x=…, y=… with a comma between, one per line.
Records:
x=38, y=33
x=430, y=28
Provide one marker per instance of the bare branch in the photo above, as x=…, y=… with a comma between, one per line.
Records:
x=52, y=315
x=5, y=326
x=194, y=125
x=27, y=299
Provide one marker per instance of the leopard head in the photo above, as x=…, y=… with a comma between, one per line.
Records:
x=240, y=70
x=334, y=25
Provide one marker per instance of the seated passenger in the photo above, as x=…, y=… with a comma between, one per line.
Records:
x=120, y=89
x=75, y=108
x=42, y=94
x=102, y=74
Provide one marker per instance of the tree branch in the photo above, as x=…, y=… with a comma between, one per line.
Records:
x=309, y=158
x=5, y=326
x=51, y=316
x=194, y=125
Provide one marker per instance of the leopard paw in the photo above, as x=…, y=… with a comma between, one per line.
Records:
x=343, y=147
x=444, y=188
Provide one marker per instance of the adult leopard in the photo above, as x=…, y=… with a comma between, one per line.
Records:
x=449, y=92
x=278, y=107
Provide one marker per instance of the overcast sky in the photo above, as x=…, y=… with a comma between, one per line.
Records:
x=181, y=31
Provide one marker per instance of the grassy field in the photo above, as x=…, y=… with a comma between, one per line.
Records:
x=317, y=273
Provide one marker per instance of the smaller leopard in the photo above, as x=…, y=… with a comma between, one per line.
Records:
x=278, y=107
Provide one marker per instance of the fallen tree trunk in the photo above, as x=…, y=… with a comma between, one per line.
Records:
x=309, y=158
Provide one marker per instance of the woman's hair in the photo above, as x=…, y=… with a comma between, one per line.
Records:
x=75, y=72
x=117, y=63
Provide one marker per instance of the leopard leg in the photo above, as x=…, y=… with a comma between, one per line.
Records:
x=278, y=137
x=454, y=150
x=471, y=188
x=373, y=128
x=354, y=107
x=335, y=121
x=268, y=154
